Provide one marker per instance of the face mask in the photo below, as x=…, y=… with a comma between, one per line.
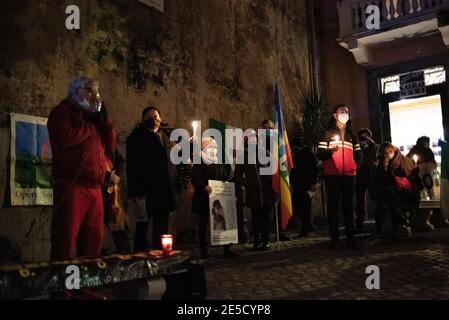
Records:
x=209, y=155
x=391, y=155
x=343, y=118
x=211, y=152
x=85, y=105
x=151, y=123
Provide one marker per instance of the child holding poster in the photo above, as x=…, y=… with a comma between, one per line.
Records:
x=209, y=169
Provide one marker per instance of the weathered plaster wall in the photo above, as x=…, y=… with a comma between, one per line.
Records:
x=198, y=59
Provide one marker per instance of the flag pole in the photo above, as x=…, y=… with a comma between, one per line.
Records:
x=277, y=226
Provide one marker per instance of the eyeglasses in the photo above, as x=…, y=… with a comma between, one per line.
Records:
x=90, y=90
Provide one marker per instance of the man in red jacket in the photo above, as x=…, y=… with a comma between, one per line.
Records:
x=340, y=151
x=81, y=136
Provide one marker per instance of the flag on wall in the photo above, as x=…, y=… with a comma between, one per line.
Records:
x=30, y=179
x=282, y=154
x=444, y=192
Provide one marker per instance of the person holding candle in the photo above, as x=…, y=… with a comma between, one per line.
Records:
x=340, y=151
x=423, y=157
x=398, y=185
x=423, y=152
x=151, y=176
x=208, y=169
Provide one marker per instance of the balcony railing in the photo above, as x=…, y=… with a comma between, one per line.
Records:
x=393, y=13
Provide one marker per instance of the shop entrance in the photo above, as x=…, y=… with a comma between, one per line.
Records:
x=404, y=120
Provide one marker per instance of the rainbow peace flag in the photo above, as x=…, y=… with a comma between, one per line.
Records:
x=282, y=154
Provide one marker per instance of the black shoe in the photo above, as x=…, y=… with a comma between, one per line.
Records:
x=333, y=245
x=359, y=230
x=265, y=246
x=352, y=244
x=257, y=242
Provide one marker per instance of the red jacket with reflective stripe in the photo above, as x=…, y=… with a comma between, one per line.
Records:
x=346, y=159
x=79, y=148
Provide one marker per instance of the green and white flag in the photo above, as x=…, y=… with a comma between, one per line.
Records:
x=31, y=156
x=444, y=193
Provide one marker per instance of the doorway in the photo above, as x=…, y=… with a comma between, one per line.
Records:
x=414, y=118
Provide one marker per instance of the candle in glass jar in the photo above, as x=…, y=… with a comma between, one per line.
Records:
x=167, y=244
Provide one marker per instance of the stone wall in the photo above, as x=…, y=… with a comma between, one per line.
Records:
x=198, y=59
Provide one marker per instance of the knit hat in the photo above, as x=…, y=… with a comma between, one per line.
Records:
x=207, y=141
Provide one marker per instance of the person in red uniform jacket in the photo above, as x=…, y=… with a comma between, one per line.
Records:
x=340, y=151
x=81, y=135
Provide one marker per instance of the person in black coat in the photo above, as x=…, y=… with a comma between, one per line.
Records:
x=209, y=169
x=151, y=176
x=365, y=176
x=305, y=179
x=258, y=193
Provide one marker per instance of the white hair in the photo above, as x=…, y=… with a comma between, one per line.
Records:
x=76, y=84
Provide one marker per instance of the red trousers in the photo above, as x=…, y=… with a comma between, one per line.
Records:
x=78, y=221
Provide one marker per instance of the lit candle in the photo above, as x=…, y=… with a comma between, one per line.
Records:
x=194, y=126
x=415, y=159
x=337, y=139
x=196, y=140
x=167, y=244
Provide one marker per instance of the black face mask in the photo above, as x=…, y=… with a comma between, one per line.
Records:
x=151, y=123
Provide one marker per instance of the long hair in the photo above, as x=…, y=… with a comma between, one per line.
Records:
x=216, y=205
x=383, y=146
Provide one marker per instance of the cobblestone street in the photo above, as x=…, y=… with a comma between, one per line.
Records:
x=416, y=268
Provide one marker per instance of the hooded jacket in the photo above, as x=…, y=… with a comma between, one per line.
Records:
x=344, y=161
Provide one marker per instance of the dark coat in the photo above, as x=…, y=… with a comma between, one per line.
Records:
x=149, y=171
x=399, y=166
x=425, y=155
x=366, y=173
x=305, y=170
x=258, y=191
x=201, y=174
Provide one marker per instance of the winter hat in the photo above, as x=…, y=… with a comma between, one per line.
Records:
x=207, y=141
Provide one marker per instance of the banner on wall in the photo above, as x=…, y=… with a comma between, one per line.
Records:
x=31, y=156
x=223, y=213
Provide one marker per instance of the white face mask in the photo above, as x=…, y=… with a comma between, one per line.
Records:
x=209, y=154
x=85, y=105
x=343, y=118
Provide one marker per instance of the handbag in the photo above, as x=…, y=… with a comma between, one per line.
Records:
x=403, y=184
